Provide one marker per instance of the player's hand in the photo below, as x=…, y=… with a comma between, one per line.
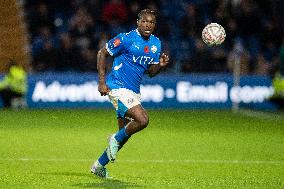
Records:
x=164, y=60
x=103, y=89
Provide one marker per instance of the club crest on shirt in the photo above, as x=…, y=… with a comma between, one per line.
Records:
x=153, y=49
x=146, y=49
x=116, y=42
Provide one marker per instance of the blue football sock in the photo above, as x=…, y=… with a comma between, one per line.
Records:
x=121, y=135
x=103, y=160
x=122, y=143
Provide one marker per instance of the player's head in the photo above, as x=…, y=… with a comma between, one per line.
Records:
x=146, y=22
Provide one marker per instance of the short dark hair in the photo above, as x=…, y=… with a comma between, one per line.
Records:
x=146, y=11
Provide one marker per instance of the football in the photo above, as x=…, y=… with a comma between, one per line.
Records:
x=213, y=34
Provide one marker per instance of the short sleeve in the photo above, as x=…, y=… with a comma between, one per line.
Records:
x=117, y=45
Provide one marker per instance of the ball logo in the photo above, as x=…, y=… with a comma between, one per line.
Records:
x=116, y=42
x=146, y=49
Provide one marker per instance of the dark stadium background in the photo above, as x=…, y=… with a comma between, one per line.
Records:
x=58, y=38
x=87, y=24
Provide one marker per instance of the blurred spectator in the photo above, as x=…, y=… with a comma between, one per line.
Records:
x=262, y=66
x=90, y=60
x=38, y=42
x=200, y=61
x=115, y=10
x=81, y=28
x=134, y=8
x=231, y=33
x=40, y=17
x=47, y=59
x=183, y=51
x=115, y=16
x=270, y=33
x=238, y=55
x=94, y=8
x=282, y=58
x=258, y=23
x=220, y=14
x=271, y=55
x=249, y=26
x=190, y=23
x=69, y=55
x=13, y=85
x=278, y=81
x=218, y=59
x=278, y=6
x=248, y=18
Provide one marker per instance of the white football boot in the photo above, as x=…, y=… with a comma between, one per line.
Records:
x=112, y=149
x=100, y=171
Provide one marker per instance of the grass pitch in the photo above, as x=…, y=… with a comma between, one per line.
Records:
x=179, y=149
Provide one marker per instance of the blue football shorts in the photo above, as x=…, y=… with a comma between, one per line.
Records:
x=123, y=99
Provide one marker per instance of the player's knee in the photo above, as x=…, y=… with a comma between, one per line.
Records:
x=143, y=122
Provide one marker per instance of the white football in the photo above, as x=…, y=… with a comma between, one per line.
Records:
x=213, y=34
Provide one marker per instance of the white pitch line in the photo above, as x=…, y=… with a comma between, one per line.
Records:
x=261, y=115
x=150, y=161
x=206, y=161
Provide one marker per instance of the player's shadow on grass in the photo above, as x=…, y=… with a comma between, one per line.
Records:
x=70, y=174
x=98, y=183
x=108, y=184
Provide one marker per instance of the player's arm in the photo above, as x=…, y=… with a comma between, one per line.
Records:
x=101, y=66
x=156, y=68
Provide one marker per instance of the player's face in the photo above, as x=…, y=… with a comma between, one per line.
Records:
x=146, y=25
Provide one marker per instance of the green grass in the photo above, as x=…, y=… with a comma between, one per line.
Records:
x=179, y=149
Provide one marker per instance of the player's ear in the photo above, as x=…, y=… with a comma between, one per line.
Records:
x=137, y=21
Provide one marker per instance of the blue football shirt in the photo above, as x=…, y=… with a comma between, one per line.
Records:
x=133, y=55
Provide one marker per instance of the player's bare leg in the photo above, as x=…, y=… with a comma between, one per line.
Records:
x=122, y=122
x=140, y=121
x=98, y=168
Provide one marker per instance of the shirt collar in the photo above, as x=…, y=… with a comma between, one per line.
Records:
x=141, y=36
